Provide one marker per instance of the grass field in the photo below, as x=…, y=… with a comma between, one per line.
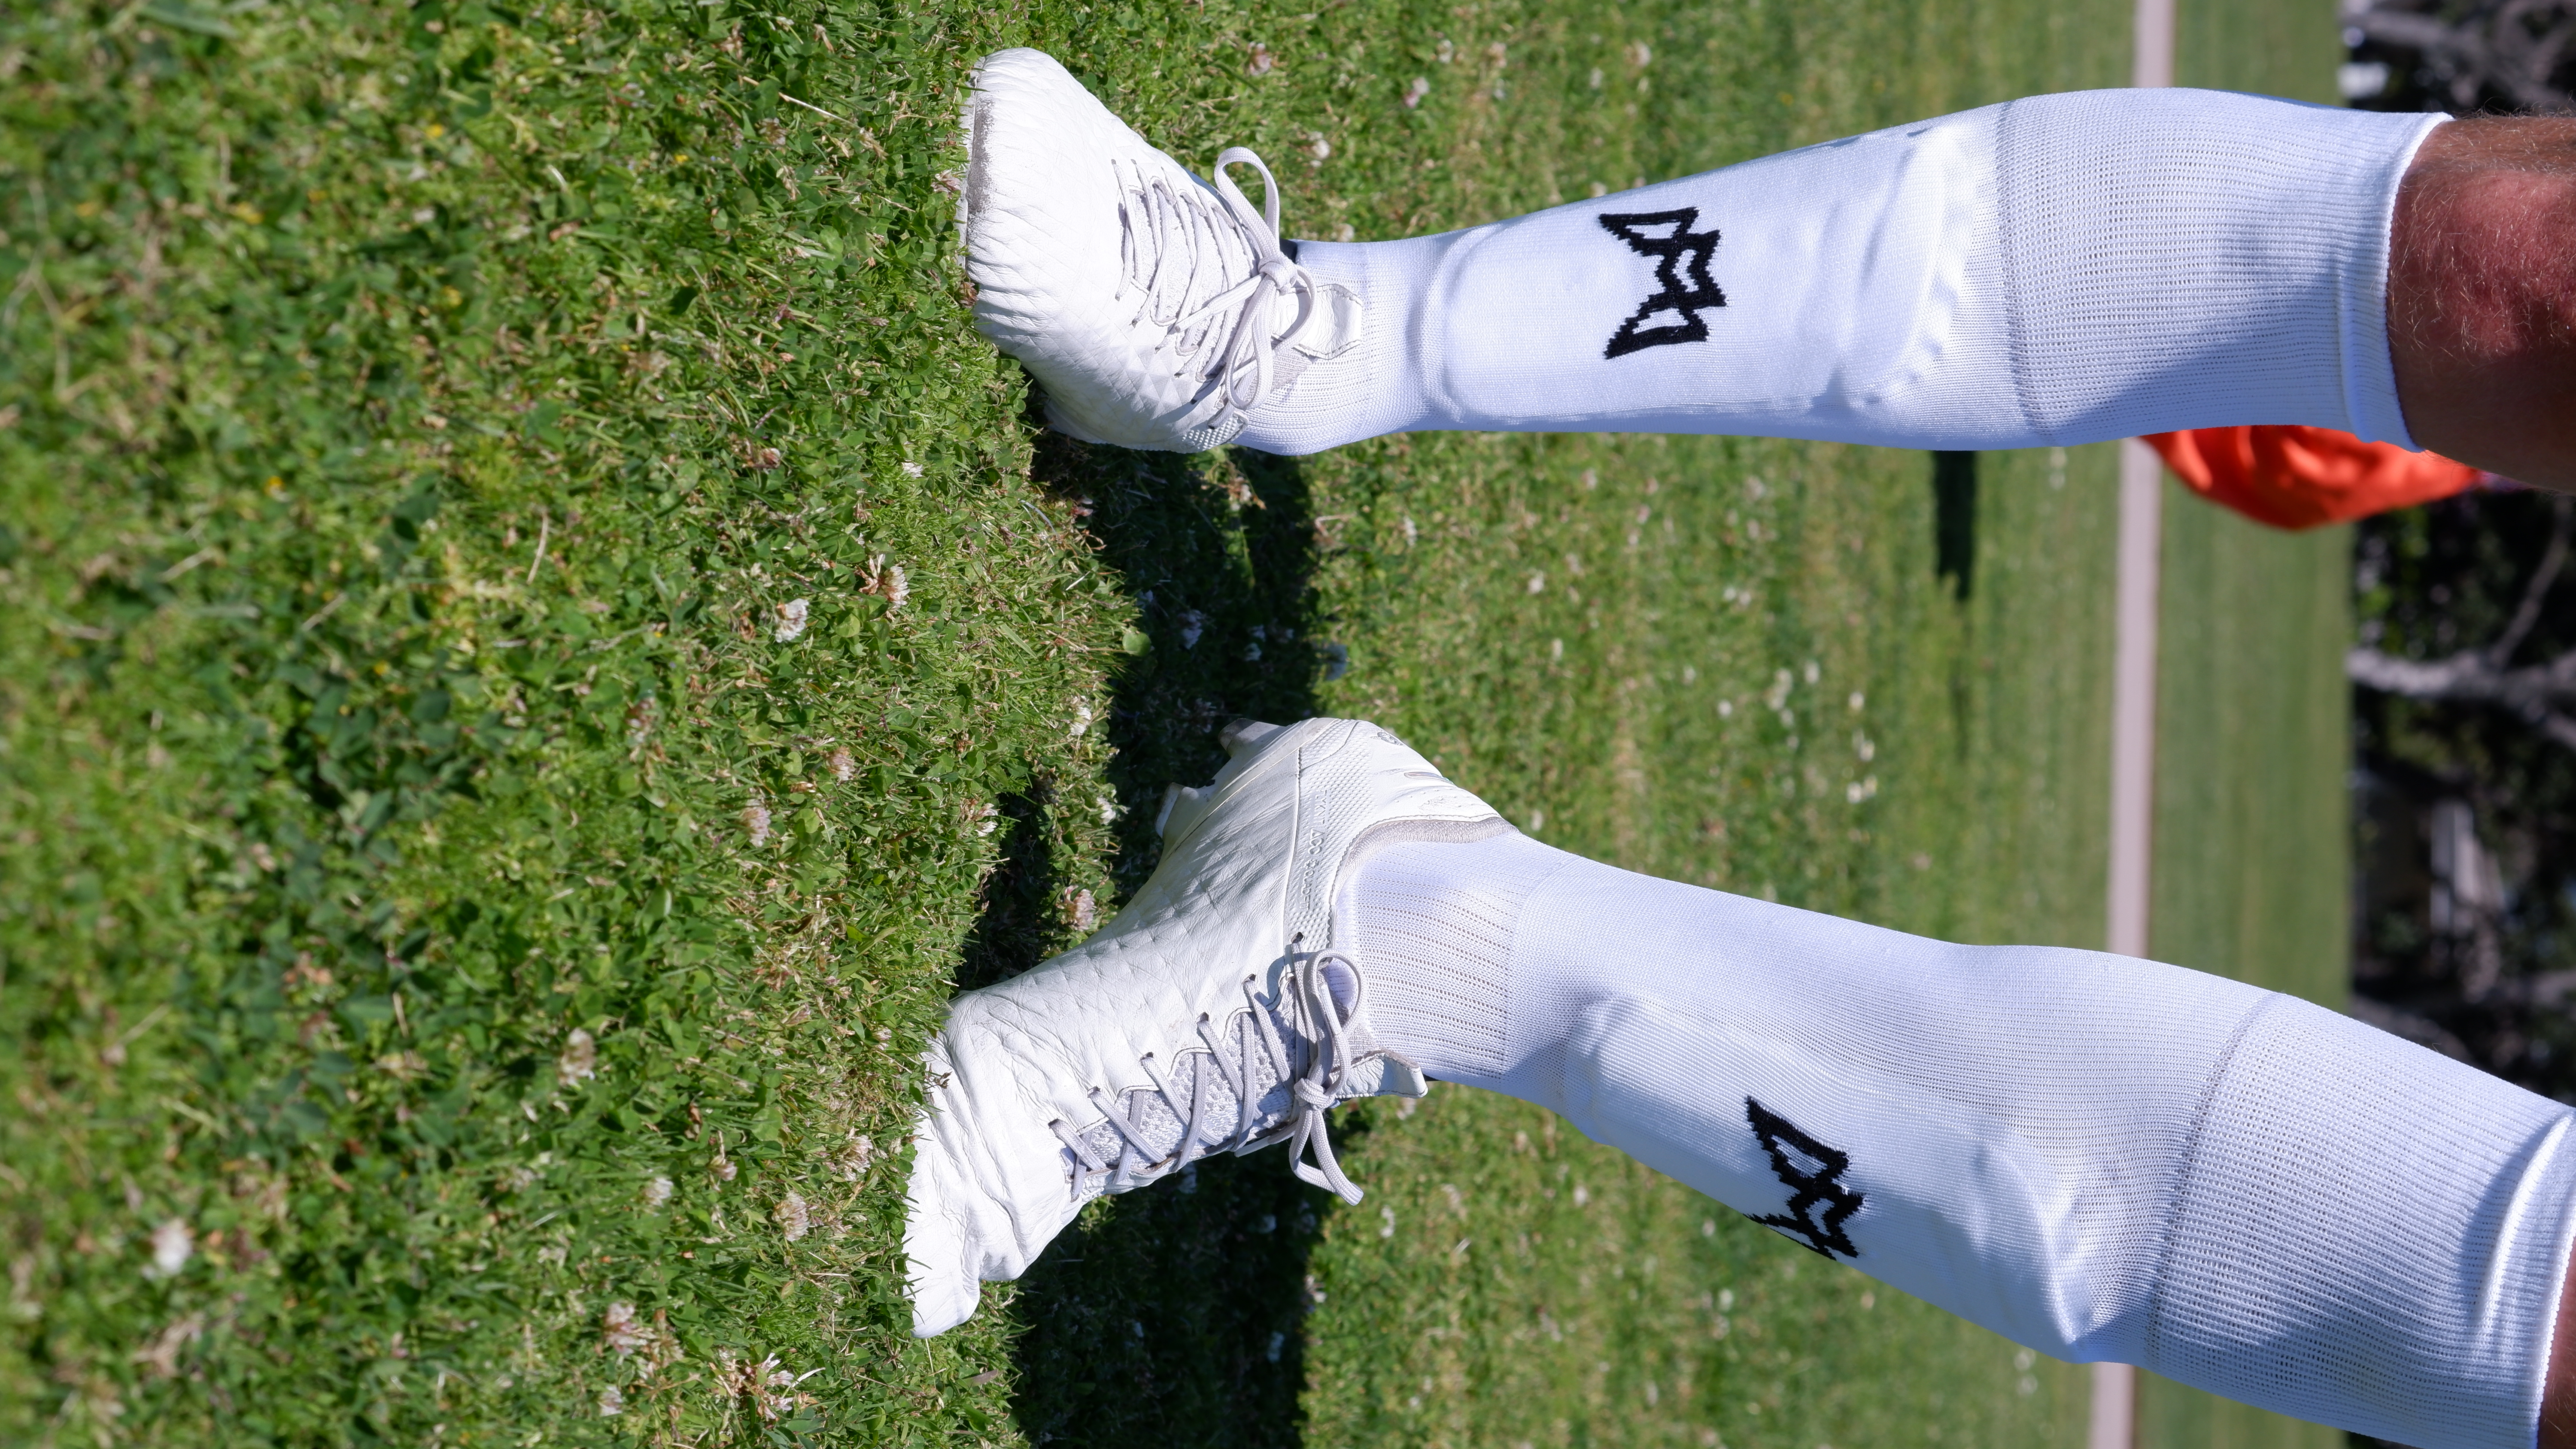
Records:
x=536, y=647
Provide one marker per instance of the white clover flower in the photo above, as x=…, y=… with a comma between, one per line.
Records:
x=611, y=1402
x=657, y=1192
x=622, y=1331
x=793, y=1220
x=172, y=1246
x=1538, y=583
x=843, y=766
x=1081, y=719
x=755, y=822
x=791, y=621
x=580, y=1059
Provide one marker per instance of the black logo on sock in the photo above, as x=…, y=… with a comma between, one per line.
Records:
x=1812, y=1173
x=1667, y=237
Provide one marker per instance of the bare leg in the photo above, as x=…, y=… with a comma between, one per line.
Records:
x=2482, y=299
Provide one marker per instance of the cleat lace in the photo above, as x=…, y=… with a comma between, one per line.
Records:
x=1207, y=268
x=1313, y=1064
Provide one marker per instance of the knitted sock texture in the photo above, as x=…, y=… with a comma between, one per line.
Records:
x=2095, y=1156
x=1431, y=924
x=2055, y=270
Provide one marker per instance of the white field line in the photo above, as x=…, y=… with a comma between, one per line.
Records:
x=2114, y=1420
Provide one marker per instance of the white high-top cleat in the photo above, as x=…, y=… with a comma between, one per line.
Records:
x=1155, y=310
x=1218, y=1012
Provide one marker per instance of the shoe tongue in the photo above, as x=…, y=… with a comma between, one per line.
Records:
x=1385, y=1076
x=1344, y=983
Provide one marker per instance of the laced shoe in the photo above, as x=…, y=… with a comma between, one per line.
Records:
x=1155, y=310
x=1219, y=1011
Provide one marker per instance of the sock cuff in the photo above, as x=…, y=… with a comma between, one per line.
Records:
x=2184, y=258
x=1432, y=924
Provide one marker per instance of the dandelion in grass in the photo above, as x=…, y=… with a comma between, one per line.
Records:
x=579, y=1061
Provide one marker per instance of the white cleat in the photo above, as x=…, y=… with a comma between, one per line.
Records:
x=1213, y=1014
x=1155, y=310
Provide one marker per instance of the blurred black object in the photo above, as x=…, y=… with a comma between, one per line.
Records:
x=2484, y=56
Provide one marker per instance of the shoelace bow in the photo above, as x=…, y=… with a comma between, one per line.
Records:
x=1174, y=248
x=1313, y=1088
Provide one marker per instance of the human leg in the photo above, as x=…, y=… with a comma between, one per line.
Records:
x=2482, y=296
x=2053, y=270
x=2098, y=1157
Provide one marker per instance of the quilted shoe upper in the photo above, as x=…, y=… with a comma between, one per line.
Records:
x=1026, y=1070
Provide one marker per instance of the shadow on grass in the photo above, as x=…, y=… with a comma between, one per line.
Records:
x=1171, y=1314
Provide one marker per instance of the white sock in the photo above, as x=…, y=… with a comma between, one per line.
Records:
x=2097, y=1157
x=2057, y=270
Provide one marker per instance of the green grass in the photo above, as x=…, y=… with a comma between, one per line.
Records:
x=392, y=550
x=2252, y=852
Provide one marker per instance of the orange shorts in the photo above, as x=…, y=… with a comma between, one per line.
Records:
x=2300, y=477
